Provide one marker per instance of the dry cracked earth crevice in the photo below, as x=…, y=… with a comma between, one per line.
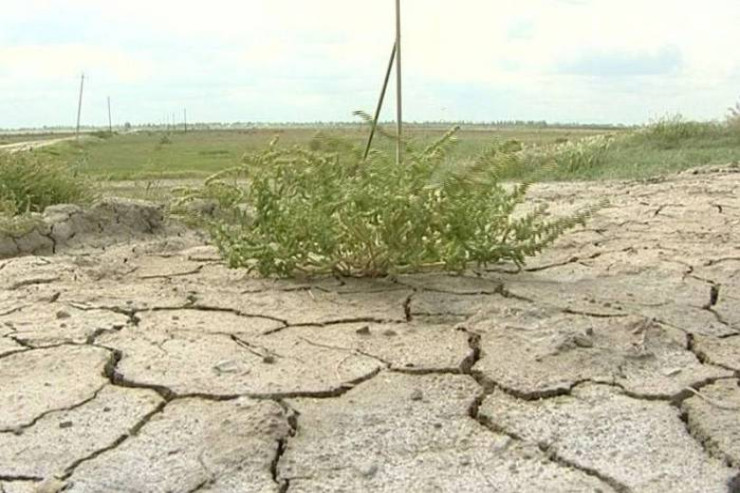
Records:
x=610, y=363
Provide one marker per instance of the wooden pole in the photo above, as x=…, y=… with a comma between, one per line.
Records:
x=185, y=119
x=399, y=94
x=380, y=101
x=79, y=106
x=110, y=120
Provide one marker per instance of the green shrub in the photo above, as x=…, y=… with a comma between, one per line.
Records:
x=567, y=159
x=582, y=155
x=671, y=132
x=30, y=183
x=318, y=210
x=733, y=117
x=102, y=134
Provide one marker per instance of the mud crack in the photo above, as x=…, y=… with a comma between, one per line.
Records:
x=116, y=443
x=555, y=457
x=549, y=452
x=292, y=417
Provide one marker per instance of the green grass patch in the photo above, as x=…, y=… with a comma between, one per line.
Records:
x=546, y=153
x=30, y=183
x=662, y=148
x=324, y=209
x=156, y=155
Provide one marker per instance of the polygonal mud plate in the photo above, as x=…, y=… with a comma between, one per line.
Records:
x=60, y=439
x=638, y=444
x=206, y=322
x=714, y=419
x=413, y=347
x=193, y=444
x=538, y=353
x=135, y=295
x=414, y=433
x=453, y=284
x=569, y=287
x=312, y=307
x=723, y=352
x=153, y=267
x=188, y=363
x=43, y=380
x=29, y=271
x=44, y=324
x=437, y=304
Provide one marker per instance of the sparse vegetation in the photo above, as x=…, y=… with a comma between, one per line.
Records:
x=199, y=154
x=30, y=183
x=325, y=210
x=673, y=131
x=733, y=117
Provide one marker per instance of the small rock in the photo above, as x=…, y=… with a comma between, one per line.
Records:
x=583, y=341
x=228, y=366
x=63, y=314
x=363, y=331
x=669, y=372
x=269, y=359
x=390, y=333
x=51, y=486
x=417, y=395
x=369, y=471
x=65, y=424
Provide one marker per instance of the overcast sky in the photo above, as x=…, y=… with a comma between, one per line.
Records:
x=605, y=61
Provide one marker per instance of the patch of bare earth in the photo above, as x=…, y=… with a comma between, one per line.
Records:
x=611, y=363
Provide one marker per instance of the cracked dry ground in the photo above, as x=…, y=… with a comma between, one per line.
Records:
x=610, y=364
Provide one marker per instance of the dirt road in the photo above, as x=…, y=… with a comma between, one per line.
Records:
x=611, y=364
x=32, y=144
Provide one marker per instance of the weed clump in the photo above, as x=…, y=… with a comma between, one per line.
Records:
x=570, y=159
x=326, y=210
x=671, y=132
x=30, y=183
x=733, y=117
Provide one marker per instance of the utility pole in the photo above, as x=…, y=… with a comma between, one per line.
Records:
x=399, y=98
x=379, y=107
x=79, y=106
x=110, y=121
x=395, y=56
x=185, y=119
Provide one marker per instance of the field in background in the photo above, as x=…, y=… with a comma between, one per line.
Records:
x=150, y=155
x=148, y=164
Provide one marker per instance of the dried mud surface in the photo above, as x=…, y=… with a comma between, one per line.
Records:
x=611, y=363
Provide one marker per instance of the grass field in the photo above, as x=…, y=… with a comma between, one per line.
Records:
x=156, y=155
x=149, y=160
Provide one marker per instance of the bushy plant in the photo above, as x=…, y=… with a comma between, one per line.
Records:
x=670, y=132
x=102, y=134
x=733, y=117
x=582, y=155
x=568, y=159
x=30, y=183
x=322, y=210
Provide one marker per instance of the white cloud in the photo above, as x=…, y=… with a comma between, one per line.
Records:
x=318, y=55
